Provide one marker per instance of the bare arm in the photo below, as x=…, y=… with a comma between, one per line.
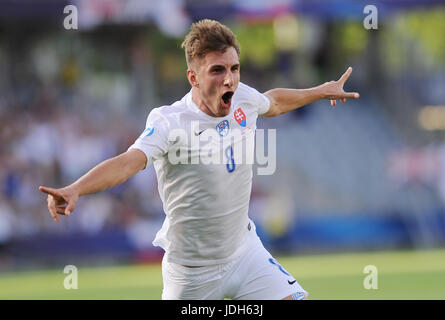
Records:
x=285, y=100
x=111, y=172
x=105, y=175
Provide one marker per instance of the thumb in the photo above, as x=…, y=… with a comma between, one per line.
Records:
x=70, y=207
x=351, y=95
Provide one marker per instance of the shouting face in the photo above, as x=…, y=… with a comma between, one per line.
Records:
x=214, y=79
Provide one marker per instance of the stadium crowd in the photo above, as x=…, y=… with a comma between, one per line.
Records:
x=64, y=115
x=70, y=100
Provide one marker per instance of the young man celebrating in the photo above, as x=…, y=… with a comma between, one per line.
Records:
x=211, y=248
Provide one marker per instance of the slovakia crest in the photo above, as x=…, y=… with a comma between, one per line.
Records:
x=223, y=128
x=240, y=117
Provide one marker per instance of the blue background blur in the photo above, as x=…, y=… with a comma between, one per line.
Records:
x=365, y=175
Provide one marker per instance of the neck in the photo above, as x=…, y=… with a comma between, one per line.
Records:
x=196, y=97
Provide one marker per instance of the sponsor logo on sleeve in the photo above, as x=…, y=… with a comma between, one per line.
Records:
x=147, y=132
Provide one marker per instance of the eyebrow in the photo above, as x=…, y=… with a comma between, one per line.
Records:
x=223, y=66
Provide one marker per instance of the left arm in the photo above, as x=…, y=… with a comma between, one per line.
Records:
x=285, y=100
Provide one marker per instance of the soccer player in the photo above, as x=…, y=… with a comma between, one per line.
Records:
x=211, y=247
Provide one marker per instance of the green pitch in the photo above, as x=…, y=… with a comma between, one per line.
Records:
x=401, y=275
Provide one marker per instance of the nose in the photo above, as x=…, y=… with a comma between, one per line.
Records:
x=228, y=79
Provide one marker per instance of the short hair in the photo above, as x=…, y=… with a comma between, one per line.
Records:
x=206, y=36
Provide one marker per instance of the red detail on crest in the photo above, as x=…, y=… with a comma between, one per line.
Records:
x=239, y=115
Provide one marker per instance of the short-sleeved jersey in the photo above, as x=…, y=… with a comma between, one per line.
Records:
x=203, y=181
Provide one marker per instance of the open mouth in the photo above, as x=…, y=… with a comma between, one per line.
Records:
x=227, y=98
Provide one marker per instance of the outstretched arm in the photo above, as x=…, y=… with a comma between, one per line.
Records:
x=285, y=100
x=107, y=174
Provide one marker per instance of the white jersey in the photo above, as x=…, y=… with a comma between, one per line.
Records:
x=206, y=205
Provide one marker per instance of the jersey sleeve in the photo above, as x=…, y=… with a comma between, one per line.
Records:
x=258, y=99
x=153, y=141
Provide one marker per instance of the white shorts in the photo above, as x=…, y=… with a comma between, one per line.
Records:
x=255, y=275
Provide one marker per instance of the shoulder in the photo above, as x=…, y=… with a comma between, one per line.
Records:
x=167, y=115
x=246, y=89
x=250, y=96
x=246, y=92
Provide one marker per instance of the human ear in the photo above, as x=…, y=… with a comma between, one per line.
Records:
x=192, y=77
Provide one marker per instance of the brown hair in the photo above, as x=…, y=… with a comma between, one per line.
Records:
x=206, y=36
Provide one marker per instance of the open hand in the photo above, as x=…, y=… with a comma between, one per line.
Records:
x=60, y=201
x=334, y=89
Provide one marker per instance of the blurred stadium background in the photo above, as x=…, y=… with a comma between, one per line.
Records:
x=366, y=176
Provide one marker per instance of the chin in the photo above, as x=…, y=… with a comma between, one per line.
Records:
x=224, y=111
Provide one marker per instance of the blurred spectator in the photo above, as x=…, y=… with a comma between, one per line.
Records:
x=70, y=100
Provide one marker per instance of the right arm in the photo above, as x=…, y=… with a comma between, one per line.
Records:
x=105, y=175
